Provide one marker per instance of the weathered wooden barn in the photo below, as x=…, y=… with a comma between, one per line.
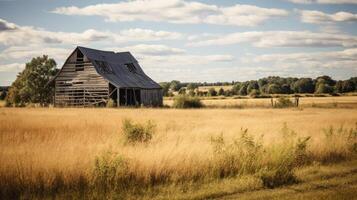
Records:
x=92, y=77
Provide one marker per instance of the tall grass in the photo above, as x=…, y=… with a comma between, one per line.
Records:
x=83, y=156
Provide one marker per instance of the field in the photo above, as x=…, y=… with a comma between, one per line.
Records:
x=304, y=102
x=303, y=153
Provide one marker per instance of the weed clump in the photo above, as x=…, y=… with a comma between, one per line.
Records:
x=138, y=133
x=109, y=169
x=283, y=102
x=111, y=103
x=184, y=101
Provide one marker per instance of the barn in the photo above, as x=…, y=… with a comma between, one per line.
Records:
x=91, y=77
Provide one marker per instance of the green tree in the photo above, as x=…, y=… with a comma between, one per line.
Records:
x=192, y=86
x=243, y=90
x=220, y=92
x=285, y=89
x=304, y=85
x=30, y=85
x=212, y=92
x=274, y=89
x=175, y=85
x=326, y=80
x=253, y=85
x=348, y=86
x=182, y=91
x=323, y=88
x=165, y=88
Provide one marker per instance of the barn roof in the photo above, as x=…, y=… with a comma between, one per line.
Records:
x=124, y=69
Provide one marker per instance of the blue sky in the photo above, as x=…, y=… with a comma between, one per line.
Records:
x=188, y=40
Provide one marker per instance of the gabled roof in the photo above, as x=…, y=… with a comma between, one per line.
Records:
x=121, y=76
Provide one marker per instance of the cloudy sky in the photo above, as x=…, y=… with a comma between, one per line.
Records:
x=194, y=40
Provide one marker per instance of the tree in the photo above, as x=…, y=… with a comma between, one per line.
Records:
x=220, y=92
x=243, y=90
x=326, y=80
x=254, y=93
x=253, y=85
x=182, y=91
x=191, y=93
x=175, y=85
x=3, y=94
x=285, y=89
x=323, y=88
x=192, y=86
x=30, y=85
x=165, y=88
x=348, y=86
x=236, y=88
x=212, y=92
x=274, y=89
x=304, y=85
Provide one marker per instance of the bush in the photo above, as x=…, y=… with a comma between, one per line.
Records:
x=220, y=92
x=108, y=170
x=111, y=103
x=184, y=101
x=212, y=92
x=283, y=102
x=138, y=133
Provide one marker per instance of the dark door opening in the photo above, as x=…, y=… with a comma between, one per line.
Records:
x=129, y=97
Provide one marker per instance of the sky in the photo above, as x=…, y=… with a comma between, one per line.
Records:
x=211, y=40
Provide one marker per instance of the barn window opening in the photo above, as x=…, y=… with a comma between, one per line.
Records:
x=104, y=67
x=79, y=61
x=131, y=67
x=80, y=56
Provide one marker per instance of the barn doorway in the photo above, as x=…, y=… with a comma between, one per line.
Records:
x=129, y=97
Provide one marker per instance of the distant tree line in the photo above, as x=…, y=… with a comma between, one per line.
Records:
x=268, y=85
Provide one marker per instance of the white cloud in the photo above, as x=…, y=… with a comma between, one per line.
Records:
x=176, y=11
x=13, y=34
x=324, y=1
x=318, y=17
x=182, y=60
x=5, y=26
x=280, y=39
x=28, y=52
x=13, y=67
x=345, y=59
x=154, y=50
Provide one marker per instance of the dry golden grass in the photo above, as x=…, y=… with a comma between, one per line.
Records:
x=323, y=102
x=206, y=88
x=51, y=141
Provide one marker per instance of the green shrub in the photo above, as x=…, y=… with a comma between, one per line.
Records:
x=138, y=133
x=184, y=101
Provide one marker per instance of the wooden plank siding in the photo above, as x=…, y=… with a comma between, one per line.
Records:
x=80, y=88
x=151, y=97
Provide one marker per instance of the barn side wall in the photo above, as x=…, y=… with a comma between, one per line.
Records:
x=80, y=88
x=151, y=97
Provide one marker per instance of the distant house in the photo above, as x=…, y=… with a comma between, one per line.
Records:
x=92, y=77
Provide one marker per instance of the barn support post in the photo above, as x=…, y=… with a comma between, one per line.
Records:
x=126, y=96
x=134, y=97
x=118, y=97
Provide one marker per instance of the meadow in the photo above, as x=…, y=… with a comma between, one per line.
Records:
x=193, y=153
